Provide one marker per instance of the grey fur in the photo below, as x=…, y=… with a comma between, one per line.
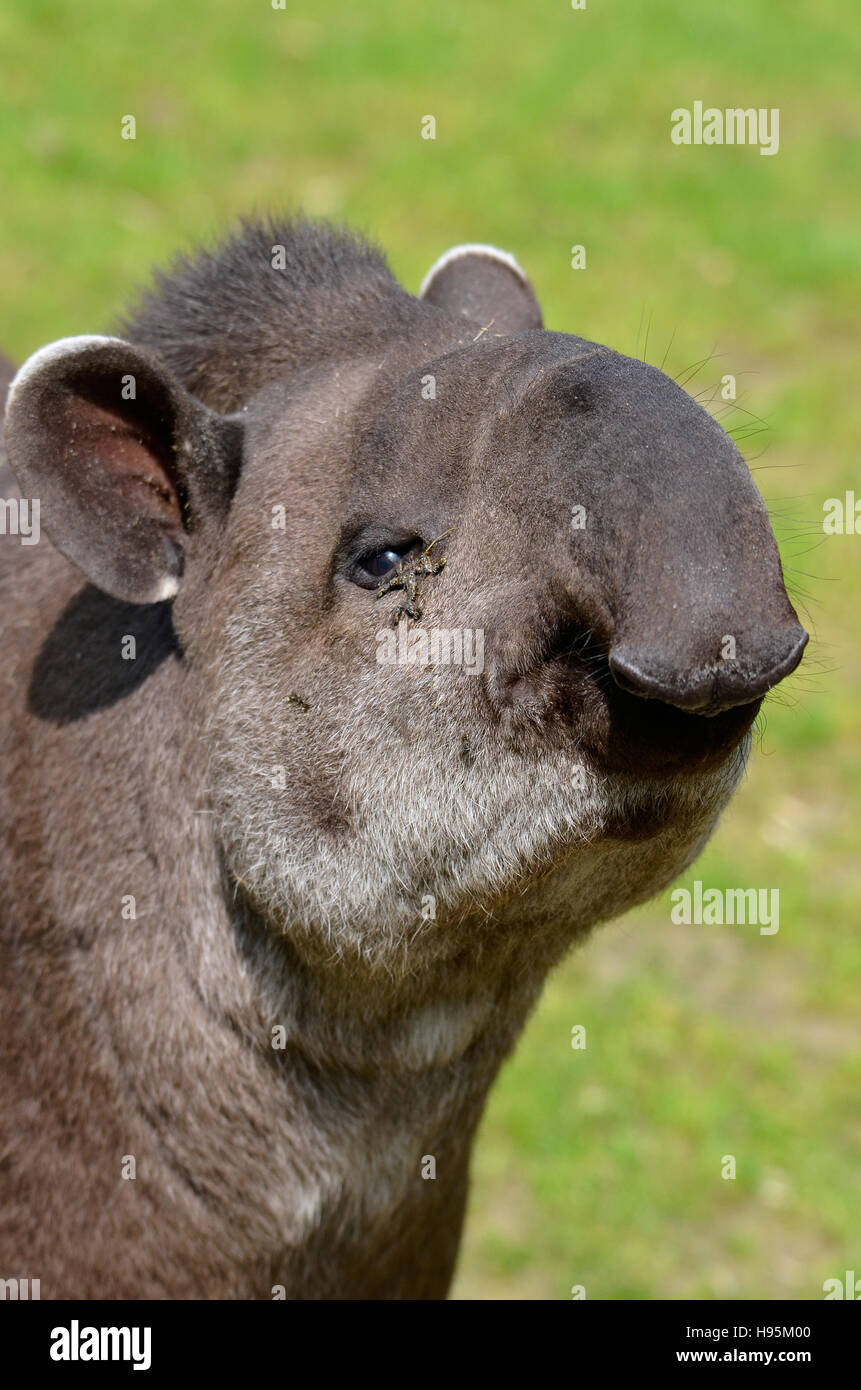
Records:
x=384, y=860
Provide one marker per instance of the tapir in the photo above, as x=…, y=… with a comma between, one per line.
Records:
x=279, y=893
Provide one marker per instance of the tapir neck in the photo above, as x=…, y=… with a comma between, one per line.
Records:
x=244, y=1134
x=351, y=1176
x=365, y=1123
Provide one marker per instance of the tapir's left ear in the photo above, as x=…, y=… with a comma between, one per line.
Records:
x=486, y=286
x=124, y=462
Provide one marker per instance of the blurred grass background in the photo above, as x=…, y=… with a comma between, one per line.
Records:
x=599, y=1167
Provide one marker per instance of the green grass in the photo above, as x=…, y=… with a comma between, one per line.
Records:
x=599, y=1167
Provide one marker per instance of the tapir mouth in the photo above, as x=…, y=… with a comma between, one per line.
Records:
x=630, y=734
x=572, y=699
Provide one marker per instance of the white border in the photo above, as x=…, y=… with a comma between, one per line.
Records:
x=471, y=248
x=61, y=348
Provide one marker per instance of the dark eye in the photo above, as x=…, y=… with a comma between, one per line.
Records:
x=380, y=563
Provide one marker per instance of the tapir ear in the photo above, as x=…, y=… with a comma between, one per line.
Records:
x=484, y=285
x=124, y=462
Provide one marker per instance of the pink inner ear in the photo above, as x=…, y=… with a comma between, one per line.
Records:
x=126, y=455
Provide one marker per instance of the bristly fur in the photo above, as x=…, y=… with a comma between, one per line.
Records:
x=227, y=323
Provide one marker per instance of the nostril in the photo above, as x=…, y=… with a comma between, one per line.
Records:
x=701, y=689
x=687, y=690
x=628, y=673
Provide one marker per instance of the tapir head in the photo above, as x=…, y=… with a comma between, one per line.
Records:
x=474, y=618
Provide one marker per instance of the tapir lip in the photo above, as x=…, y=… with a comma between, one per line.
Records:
x=709, y=690
x=569, y=699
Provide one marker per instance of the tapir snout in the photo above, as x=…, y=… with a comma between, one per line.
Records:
x=708, y=689
x=703, y=621
x=665, y=560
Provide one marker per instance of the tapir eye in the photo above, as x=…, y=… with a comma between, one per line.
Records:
x=376, y=565
x=374, y=562
x=380, y=563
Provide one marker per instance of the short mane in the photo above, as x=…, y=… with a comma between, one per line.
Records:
x=228, y=319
